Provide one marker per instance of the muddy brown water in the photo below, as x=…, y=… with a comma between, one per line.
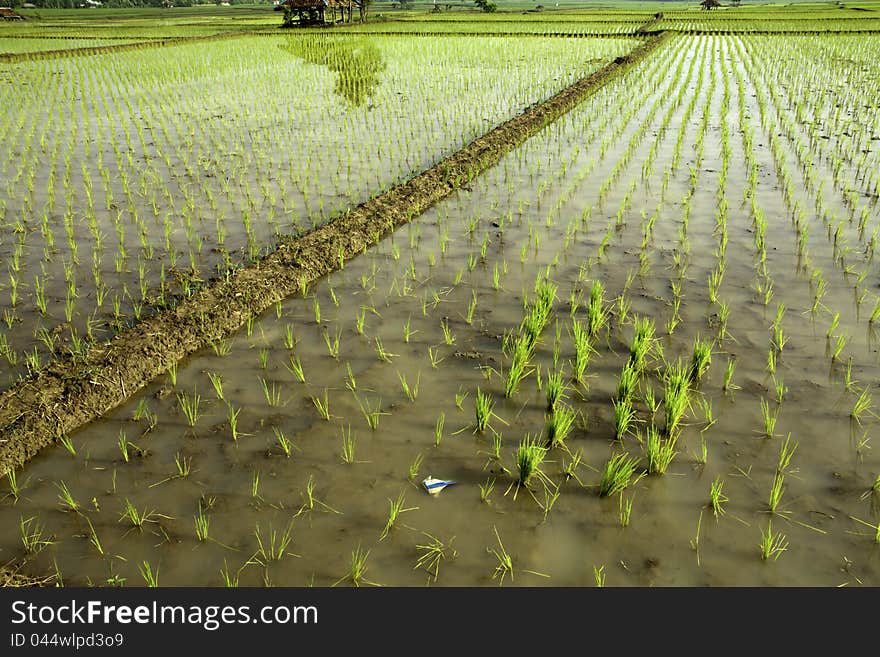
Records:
x=539, y=190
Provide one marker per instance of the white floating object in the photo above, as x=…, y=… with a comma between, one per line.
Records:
x=434, y=486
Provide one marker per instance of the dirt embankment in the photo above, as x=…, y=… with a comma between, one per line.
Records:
x=68, y=394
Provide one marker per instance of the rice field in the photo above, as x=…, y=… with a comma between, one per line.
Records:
x=139, y=173
x=640, y=350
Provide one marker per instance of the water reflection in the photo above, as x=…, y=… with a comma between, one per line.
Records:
x=356, y=61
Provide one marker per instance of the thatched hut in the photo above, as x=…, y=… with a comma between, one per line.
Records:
x=316, y=12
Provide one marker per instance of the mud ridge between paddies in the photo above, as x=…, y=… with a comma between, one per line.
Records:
x=69, y=392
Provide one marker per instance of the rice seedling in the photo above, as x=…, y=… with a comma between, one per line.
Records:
x=772, y=545
x=863, y=405
x=202, y=524
x=272, y=546
x=14, y=486
x=271, y=392
x=717, y=499
x=625, y=509
x=438, y=429
x=285, y=443
x=769, y=418
x=411, y=392
x=151, y=577
x=94, y=540
x=833, y=326
x=448, y=335
x=597, y=312
x=676, y=397
x=357, y=569
x=33, y=538
x=431, y=554
x=626, y=384
x=333, y=343
x=415, y=466
x=701, y=358
x=558, y=425
x=780, y=388
x=848, y=381
x=323, y=405
x=616, y=474
x=876, y=528
x=771, y=361
x=556, y=389
x=643, y=343
x=486, y=490
x=67, y=443
x=66, y=499
x=432, y=355
x=583, y=350
x=383, y=355
x=624, y=417
x=289, y=337
x=660, y=452
x=695, y=541
x=529, y=456
x=189, y=406
x=232, y=417
x=183, y=465
x=396, y=508
x=483, y=406
x=348, y=446
x=599, y=576
x=505, y=562
x=217, y=383
x=371, y=412
x=839, y=345
x=296, y=369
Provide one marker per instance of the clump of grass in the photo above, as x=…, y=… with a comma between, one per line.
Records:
x=273, y=545
x=769, y=417
x=438, y=428
x=617, y=473
x=625, y=510
x=676, y=397
x=323, y=405
x=555, y=390
x=559, y=424
x=626, y=384
x=33, y=539
x=660, y=452
x=348, y=446
x=624, y=417
x=505, y=562
x=285, y=443
x=717, y=499
x=357, y=570
x=483, y=406
x=66, y=499
x=597, y=312
x=189, y=406
x=772, y=545
x=397, y=507
x=862, y=406
x=150, y=576
x=701, y=358
x=432, y=554
x=529, y=456
x=642, y=343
